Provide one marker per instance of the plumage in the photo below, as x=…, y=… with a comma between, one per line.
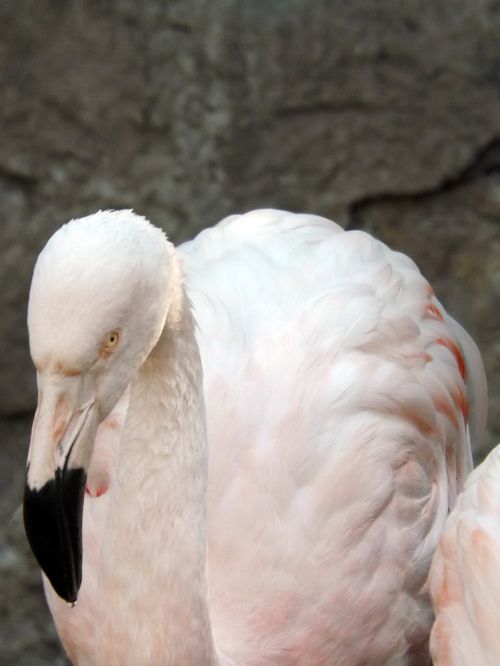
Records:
x=339, y=400
x=464, y=580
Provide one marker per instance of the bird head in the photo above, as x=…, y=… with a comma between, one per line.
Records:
x=98, y=302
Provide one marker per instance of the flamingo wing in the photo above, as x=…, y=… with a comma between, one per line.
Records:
x=464, y=581
x=338, y=413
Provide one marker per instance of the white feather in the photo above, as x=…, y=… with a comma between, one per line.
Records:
x=464, y=580
x=337, y=443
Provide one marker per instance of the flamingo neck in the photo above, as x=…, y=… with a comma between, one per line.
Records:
x=153, y=588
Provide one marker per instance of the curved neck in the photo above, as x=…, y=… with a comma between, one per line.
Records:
x=152, y=575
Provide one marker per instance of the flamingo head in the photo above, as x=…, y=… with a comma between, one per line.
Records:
x=98, y=302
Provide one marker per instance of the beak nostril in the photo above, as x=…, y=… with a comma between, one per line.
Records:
x=62, y=416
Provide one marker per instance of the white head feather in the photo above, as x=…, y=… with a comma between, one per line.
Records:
x=107, y=272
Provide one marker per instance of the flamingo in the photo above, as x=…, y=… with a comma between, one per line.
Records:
x=246, y=448
x=463, y=580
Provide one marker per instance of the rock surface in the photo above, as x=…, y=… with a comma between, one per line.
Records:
x=188, y=111
x=384, y=116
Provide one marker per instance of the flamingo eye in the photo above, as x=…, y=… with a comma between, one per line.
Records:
x=111, y=341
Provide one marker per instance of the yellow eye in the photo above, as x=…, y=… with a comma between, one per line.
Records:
x=111, y=341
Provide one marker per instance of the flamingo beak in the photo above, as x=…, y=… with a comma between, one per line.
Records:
x=61, y=447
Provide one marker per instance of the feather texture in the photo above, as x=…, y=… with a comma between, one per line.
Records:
x=338, y=394
x=464, y=579
x=336, y=442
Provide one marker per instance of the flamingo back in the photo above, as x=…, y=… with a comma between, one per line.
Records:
x=464, y=581
x=338, y=397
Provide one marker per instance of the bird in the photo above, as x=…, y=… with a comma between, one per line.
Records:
x=246, y=447
x=463, y=579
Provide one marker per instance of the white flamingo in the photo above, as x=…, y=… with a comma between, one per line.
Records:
x=336, y=425
x=464, y=580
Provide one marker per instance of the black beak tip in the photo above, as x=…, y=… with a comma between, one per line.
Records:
x=53, y=524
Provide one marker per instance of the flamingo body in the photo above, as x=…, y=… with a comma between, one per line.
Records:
x=464, y=581
x=340, y=398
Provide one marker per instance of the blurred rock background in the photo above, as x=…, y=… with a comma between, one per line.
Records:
x=382, y=115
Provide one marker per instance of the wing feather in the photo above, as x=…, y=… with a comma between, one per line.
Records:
x=464, y=581
x=338, y=438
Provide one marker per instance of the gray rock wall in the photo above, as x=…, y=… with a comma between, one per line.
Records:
x=382, y=115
